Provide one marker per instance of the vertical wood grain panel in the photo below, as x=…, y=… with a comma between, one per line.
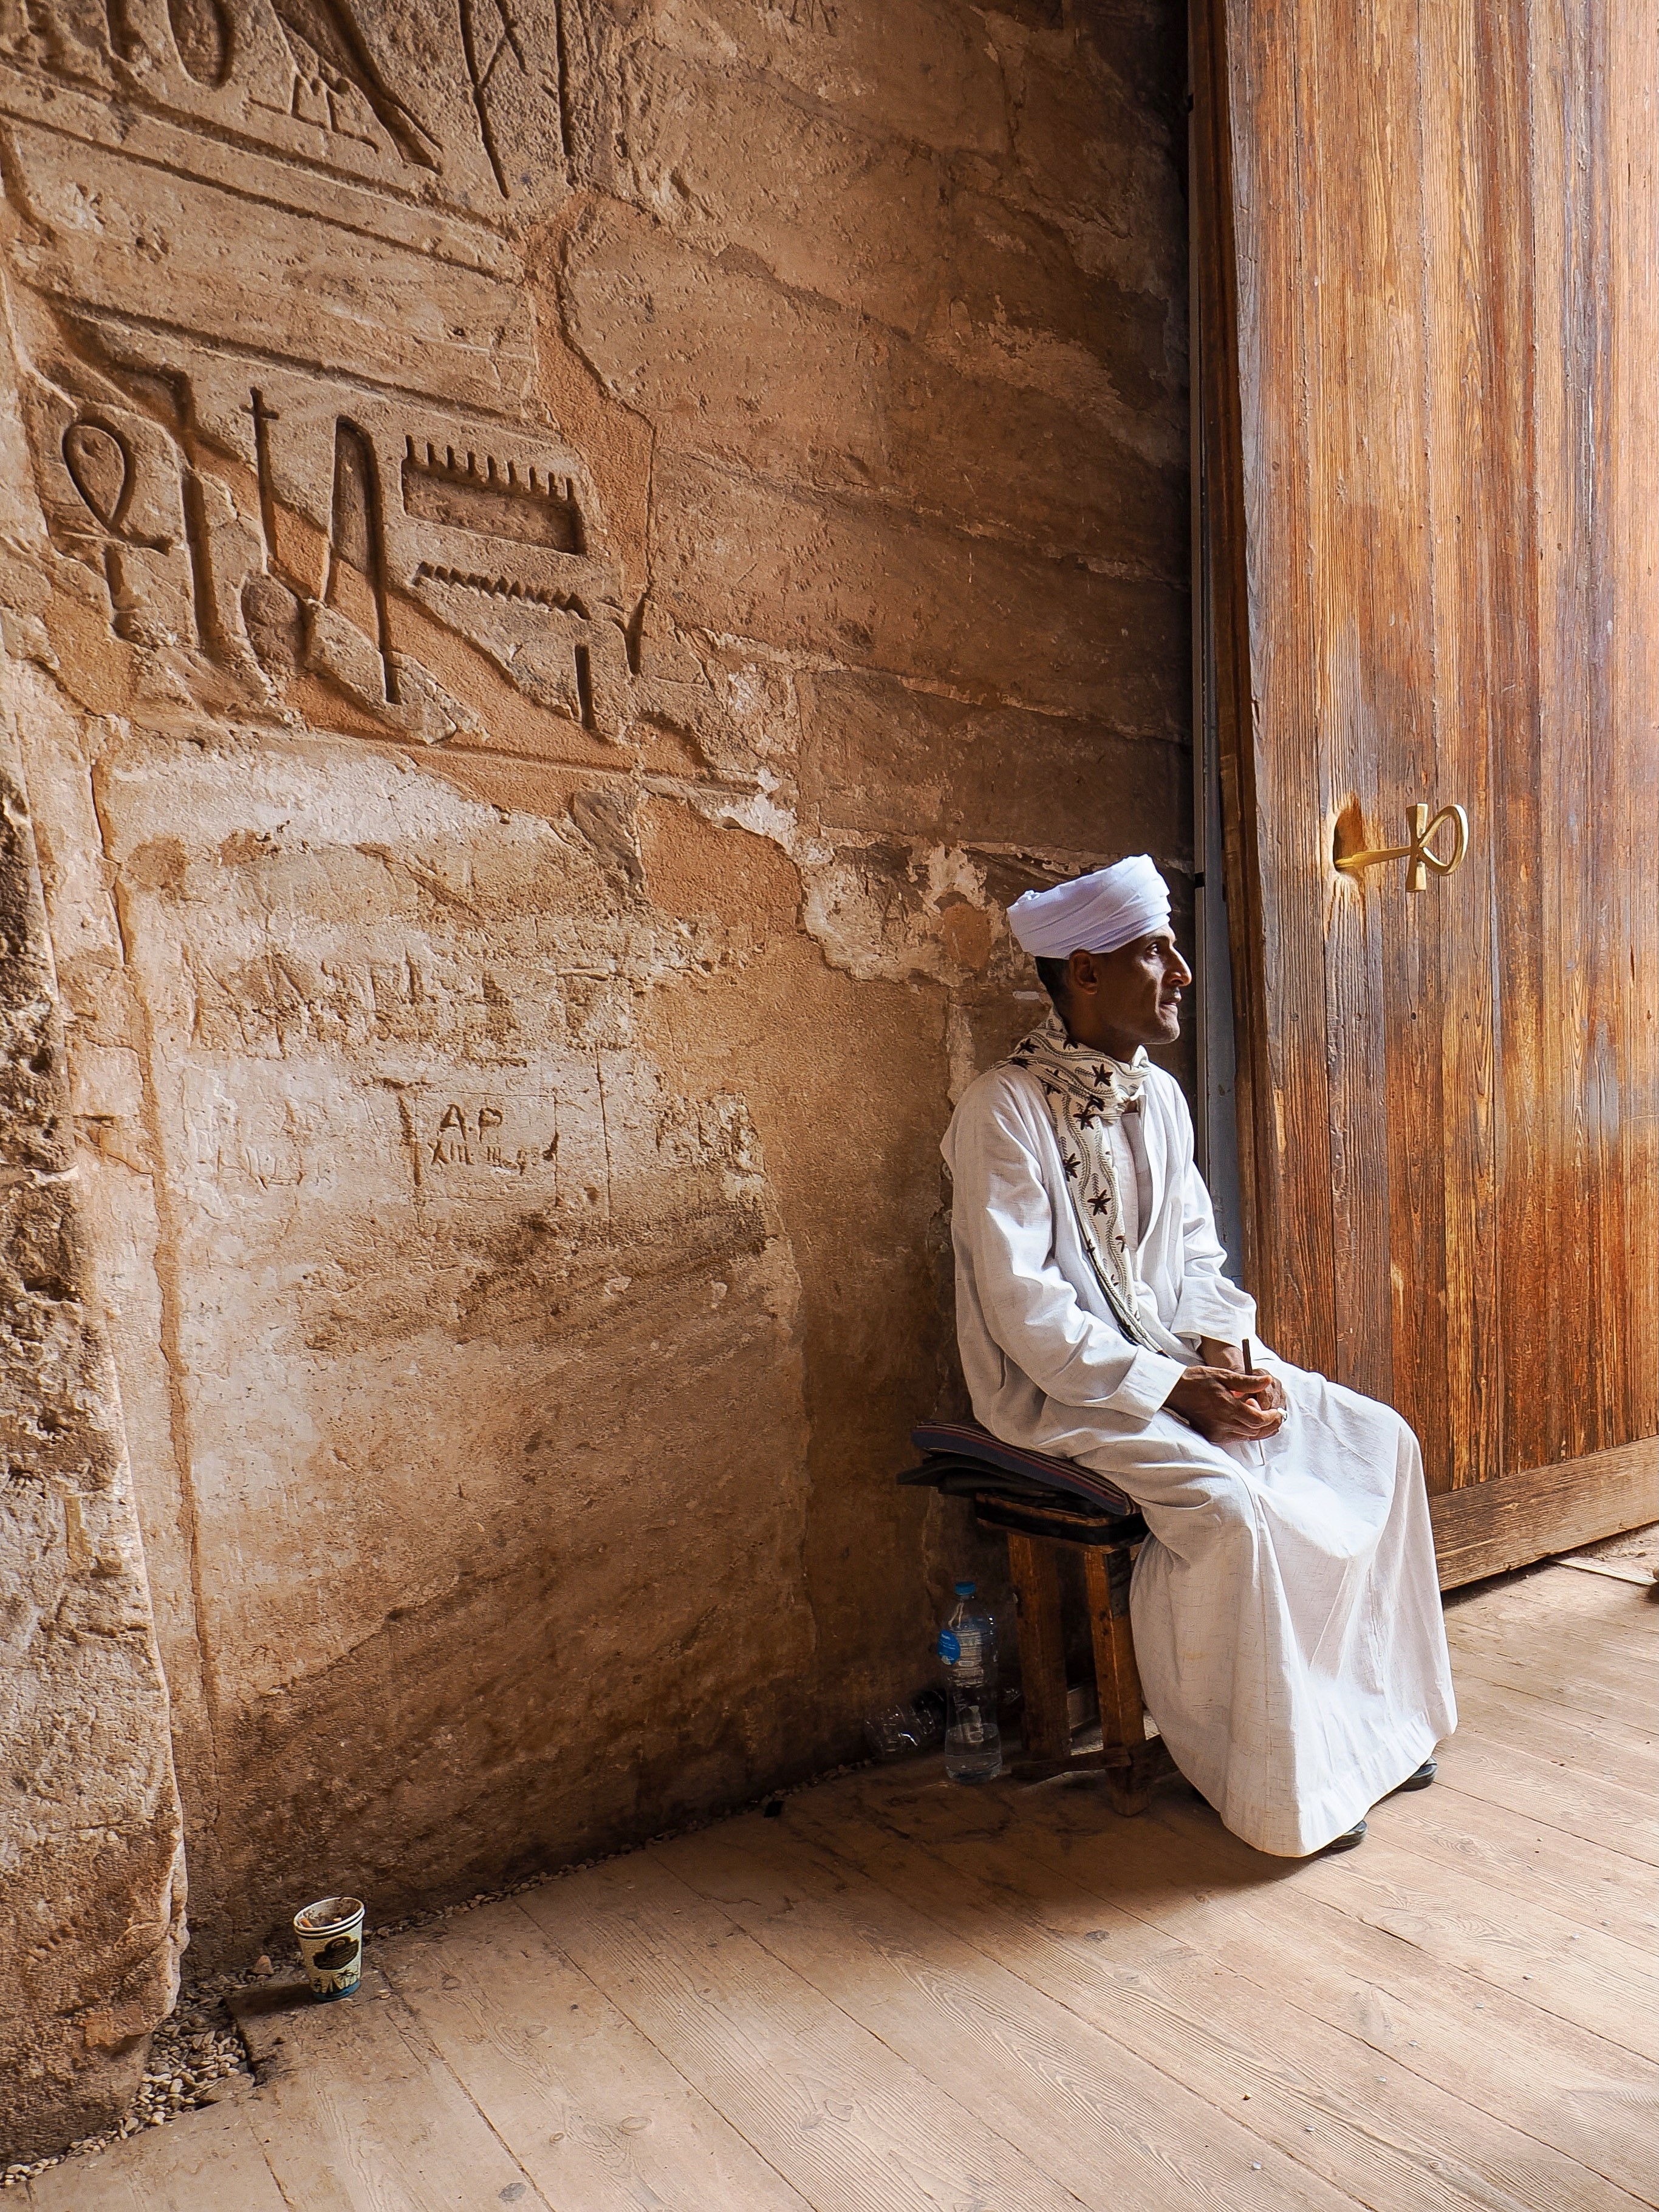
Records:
x=1430, y=339
x=1474, y=336
x=1365, y=450
x=1227, y=311
x=1629, y=799
x=1298, y=1247
x=1562, y=483
x=1519, y=832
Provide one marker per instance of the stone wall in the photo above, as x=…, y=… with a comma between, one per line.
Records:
x=574, y=557
x=92, y=1895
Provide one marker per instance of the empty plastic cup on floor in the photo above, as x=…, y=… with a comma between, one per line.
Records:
x=330, y=1934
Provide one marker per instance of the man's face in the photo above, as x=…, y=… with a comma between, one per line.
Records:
x=1117, y=1001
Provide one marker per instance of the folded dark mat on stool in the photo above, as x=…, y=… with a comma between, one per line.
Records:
x=1008, y=1501
x=1060, y=1514
x=961, y=1455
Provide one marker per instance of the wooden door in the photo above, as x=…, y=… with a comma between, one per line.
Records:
x=1429, y=357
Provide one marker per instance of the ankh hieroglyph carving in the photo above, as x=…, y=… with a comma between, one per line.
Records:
x=1418, y=854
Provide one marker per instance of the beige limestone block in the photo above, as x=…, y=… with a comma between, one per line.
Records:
x=115, y=234
x=876, y=586
x=980, y=776
x=1025, y=465
x=737, y=162
x=1066, y=310
x=104, y=1040
x=881, y=413
x=959, y=256
x=843, y=1076
x=1090, y=100
x=799, y=359
x=927, y=72
x=466, y=106
x=377, y=563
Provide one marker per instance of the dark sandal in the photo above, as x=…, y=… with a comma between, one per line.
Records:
x=1349, y=1840
x=1420, y=1780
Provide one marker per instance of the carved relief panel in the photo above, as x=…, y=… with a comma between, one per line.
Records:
x=467, y=104
x=288, y=422
x=258, y=525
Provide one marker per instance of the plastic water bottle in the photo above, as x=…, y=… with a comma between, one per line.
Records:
x=968, y=1645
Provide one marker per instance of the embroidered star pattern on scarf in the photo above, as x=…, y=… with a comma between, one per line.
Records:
x=1086, y=1092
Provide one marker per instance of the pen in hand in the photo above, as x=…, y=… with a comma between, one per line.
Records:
x=1249, y=1350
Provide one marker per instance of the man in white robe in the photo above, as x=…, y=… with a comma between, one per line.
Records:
x=1286, y=1611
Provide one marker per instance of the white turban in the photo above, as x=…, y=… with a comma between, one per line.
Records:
x=1098, y=913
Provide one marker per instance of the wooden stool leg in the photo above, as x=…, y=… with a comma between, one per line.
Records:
x=1033, y=1569
x=1131, y=1764
x=1122, y=1714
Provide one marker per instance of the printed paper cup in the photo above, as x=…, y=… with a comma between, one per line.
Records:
x=330, y=1934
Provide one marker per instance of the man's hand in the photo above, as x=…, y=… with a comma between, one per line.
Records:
x=1214, y=1353
x=1223, y=1403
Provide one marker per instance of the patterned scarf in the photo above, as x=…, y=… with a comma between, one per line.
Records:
x=1086, y=1093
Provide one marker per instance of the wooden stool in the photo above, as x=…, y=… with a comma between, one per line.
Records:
x=1036, y=1530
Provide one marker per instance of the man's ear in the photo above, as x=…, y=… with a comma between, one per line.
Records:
x=1081, y=972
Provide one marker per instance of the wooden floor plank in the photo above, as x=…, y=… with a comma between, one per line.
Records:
x=1587, y=2093
x=1549, y=1609
x=1626, y=1702
x=1584, y=1976
x=361, y=2115
x=1105, y=2123
x=206, y=2161
x=1615, y=1625
x=594, y=2112
x=1584, y=1667
x=1549, y=1606
x=1612, y=1751
x=1551, y=1598
x=1295, y=1931
x=845, y=2122
x=1641, y=1578
x=1578, y=1671
x=1547, y=1588
x=1587, y=1886
x=1618, y=1817
x=1372, y=2127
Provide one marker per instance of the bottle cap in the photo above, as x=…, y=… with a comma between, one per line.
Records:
x=963, y=1590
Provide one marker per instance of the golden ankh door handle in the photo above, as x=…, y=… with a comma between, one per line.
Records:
x=1417, y=855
